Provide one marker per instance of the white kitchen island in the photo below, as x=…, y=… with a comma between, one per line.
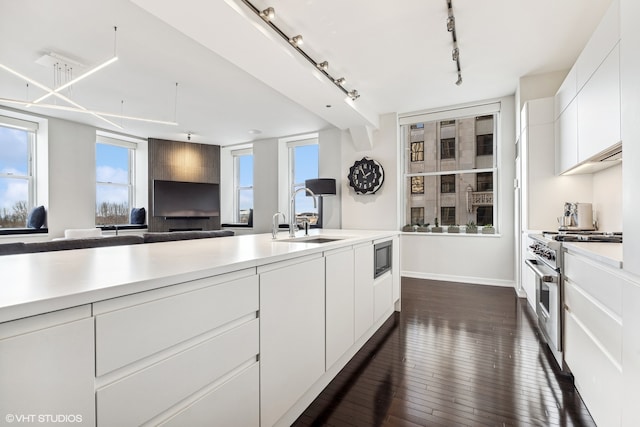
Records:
x=228, y=331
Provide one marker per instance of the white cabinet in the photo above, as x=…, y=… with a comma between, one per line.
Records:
x=339, y=267
x=382, y=295
x=593, y=336
x=47, y=368
x=603, y=39
x=599, y=109
x=631, y=354
x=292, y=333
x=363, y=268
x=566, y=93
x=170, y=344
x=566, y=135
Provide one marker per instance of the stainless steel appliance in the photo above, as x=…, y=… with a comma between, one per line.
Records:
x=383, y=258
x=545, y=260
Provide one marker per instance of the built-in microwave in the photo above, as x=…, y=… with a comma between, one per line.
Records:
x=382, y=258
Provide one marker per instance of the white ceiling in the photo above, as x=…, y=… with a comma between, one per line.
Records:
x=235, y=74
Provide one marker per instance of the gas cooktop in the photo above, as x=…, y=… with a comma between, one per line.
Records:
x=583, y=236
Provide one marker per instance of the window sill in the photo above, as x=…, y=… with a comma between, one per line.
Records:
x=429, y=233
x=22, y=231
x=122, y=227
x=239, y=225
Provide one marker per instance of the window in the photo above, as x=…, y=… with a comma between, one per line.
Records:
x=448, y=148
x=448, y=214
x=456, y=183
x=114, y=180
x=448, y=184
x=243, y=185
x=417, y=185
x=303, y=158
x=417, y=151
x=484, y=181
x=17, y=180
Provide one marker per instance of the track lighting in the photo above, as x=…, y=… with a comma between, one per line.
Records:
x=268, y=14
x=189, y=136
x=455, y=53
x=296, y=40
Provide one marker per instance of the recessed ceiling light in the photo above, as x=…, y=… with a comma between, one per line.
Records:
x=255, y=131
x=328, y=105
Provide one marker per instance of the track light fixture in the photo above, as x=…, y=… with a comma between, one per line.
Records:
x=455, y=53
x=268, y=15
x=296, y=40
x=324, y=65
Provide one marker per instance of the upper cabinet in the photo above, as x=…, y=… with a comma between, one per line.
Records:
x=587, y=105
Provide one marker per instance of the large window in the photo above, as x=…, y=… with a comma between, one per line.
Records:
x=17, y=186
x=303, y=158
x=454, y=182
x=114, y=180
x=243, y=185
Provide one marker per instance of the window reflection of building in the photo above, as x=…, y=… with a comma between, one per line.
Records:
x=417, y=185
x=484, y=181
x=448, y=214
x=448, y=184
x=448, y=148
x=417, y=151
x=417, y=216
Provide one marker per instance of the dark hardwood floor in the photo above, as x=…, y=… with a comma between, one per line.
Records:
x=456, y=355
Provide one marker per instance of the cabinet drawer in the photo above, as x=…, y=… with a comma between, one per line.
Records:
x=236, y=403
x=605, y=330
x=597, y=379
x=126, y=335
x=382, y=295
x=141, y=396
x=602, y=285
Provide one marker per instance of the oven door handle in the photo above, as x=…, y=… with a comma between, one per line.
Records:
x=547, y=278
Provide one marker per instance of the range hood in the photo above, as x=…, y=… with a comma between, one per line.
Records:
x=612, y=156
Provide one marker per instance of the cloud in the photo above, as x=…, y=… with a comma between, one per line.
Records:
x=13, y=191
x=111, y=174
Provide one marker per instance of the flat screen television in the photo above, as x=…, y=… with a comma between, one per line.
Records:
x=176, y=199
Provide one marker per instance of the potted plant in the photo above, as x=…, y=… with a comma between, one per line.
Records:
x=423, y=228
x=453, y=228
x=408, y=227
x=488, y=229
x=436, y=228
x=471, y=228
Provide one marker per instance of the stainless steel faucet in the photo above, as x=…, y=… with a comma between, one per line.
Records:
x=292, y=209
x=276, y=225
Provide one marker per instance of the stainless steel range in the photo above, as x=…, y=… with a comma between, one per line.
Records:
x=544, y=258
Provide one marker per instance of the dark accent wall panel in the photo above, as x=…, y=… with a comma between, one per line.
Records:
x=181, y=161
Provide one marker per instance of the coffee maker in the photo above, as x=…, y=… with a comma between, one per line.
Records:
x=576, y=216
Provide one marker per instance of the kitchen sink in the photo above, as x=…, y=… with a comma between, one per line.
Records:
x=310, y=239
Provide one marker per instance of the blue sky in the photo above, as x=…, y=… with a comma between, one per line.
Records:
x=112, y=165
x=13, y=160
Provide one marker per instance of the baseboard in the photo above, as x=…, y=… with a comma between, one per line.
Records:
x=460, y=279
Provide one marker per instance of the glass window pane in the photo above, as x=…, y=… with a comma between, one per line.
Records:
x=245, y=204
x=306, y=163
x=245, y=175
x=112, y=164
x=14, y=151
x=112, y=204
x=14, y=196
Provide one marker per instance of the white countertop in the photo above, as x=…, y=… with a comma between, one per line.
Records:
x=606, y=253
x=37, y=283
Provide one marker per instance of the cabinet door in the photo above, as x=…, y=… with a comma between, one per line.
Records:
x=49, y=370
x=382, y=295
x=340, y=304
x=567, y=138
x=599, y=109
x=631, y=354
x=363, y=263
x=292, y=334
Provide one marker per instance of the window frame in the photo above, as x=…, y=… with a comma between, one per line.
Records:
x=292, y=185
x=418, y=120
x=130, y=185
x=237, y=189
x=31, y=130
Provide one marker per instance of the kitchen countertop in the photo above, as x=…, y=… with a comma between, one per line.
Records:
x=42, y=282
x=606, y=253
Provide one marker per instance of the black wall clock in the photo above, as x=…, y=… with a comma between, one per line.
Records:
x=366, y=176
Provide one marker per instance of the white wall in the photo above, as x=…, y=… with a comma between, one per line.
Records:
x=607, y=198
x=329, y=153
x=377, y=211
x=473, y=259
x=265, y=184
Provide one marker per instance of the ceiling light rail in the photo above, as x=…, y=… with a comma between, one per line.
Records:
x=455, y=53
x=268, y=16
